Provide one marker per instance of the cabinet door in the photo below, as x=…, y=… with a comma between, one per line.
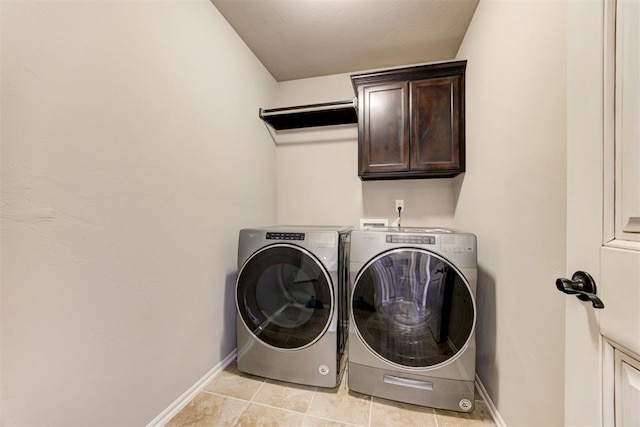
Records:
x=384, y=129
x=436, y=128
x=627, y=390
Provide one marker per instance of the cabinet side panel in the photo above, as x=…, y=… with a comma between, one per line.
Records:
x=385, y=143
x=436, y=124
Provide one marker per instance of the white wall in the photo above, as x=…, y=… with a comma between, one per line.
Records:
x=513, y=195
x=317, y=171
x=131, y=155
x=314, y=166
x=514, y=198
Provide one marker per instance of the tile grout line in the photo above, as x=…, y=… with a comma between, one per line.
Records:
x=248, y=402
x=435, y=417
x=313, y=396
x=306, y=414
x=237, y=417
x=224, y=395
x=266, y=405
x=258, y=390
x=333, y=419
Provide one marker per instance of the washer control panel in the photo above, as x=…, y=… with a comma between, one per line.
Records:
x=458, y=243
x=416, y=239
x=285, y=236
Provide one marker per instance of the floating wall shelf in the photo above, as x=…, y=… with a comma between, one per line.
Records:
x=304, y=116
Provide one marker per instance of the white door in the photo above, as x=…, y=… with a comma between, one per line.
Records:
x=603, y=200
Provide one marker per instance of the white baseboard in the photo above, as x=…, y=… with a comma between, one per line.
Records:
x=166, y=415
x=490, y=405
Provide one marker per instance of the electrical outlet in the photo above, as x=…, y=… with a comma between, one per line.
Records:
x=400, y=204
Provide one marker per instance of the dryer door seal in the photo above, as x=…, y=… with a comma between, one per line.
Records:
x=412, y=308
x=284, y=297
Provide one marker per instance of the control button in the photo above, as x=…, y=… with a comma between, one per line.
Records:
x=285, y=236
x=417, y=240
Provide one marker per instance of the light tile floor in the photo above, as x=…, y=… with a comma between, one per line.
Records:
x=237, y=399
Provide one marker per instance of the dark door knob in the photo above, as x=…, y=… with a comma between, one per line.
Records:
x=581, y=285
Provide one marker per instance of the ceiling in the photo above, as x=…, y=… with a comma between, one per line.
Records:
x=297, y=39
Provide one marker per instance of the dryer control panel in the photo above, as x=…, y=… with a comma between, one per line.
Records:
x=284, y=236
x=415, y=239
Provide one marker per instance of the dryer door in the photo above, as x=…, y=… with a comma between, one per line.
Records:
x=412, y=308
x=284, y=296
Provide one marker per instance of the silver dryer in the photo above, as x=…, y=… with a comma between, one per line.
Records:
x=291, y=297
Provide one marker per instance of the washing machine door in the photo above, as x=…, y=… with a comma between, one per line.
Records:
x=412, y=308
x=284, y=296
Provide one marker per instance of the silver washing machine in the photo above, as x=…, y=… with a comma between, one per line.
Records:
x=413, y=315
x=292, y=299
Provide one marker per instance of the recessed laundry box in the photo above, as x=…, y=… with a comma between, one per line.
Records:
x=413, y=314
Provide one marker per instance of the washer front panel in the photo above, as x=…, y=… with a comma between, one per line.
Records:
x=284, y=297
x=412, y=308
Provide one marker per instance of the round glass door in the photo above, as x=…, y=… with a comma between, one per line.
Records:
x=412, y=308
x=284, y=296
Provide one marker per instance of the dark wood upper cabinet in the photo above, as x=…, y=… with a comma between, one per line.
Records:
x=411, y=122
x=384, y=124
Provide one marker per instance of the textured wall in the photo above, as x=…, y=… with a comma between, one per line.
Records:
x=514, y=198
x=131, y=155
